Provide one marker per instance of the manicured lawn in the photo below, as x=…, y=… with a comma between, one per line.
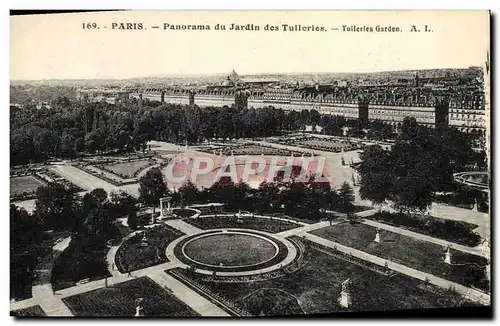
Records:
x=230, y=250
x=26, y=184
x=325, y=144
x=454, y=231
x=424, y=256
x=257, y=150
x=34, y=311
x=133, y=256
x=254, y=223
x=316, y=287
x=119, y=300
x=128, y=169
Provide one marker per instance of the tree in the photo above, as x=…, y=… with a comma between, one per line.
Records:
x=98, y=224
x=56, y=207
x=267, y=197
x=189, y=193
x=152, y=188
x=222, y=191
x=346, y=197
x=242, y=196
x=132, y=220
x=93, y=141
x=123, y=203
x=292, y=194
x=25, y=247
x=67, y=144
x=97, y=198
x=99, y=195
x=376, y=176
x=45, y=143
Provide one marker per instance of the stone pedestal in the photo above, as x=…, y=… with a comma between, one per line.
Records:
x=139, y=308
x=138, y=311
x=144, y=240
x=345, y=299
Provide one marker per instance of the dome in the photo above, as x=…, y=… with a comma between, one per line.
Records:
x=233, y=76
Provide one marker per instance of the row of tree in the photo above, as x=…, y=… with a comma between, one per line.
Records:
x=68, y=129
x=306, y=200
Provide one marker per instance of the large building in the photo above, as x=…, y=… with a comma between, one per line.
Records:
x=108, y=95
x=433, y=101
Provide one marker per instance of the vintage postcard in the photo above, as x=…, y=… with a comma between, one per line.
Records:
x=250, y=163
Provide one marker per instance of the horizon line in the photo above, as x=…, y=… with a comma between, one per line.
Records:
x=227, y=73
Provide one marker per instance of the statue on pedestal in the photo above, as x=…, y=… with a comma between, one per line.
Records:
x=474, y=209
x=447, y=256
x=144, y=240
x=377, y=237
x=139, y=307
x=345, y=295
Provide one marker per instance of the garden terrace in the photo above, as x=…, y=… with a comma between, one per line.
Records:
x=120, y=172
x=465, y=198
x=24, y=187
x=132, y=255
x=324, y=144
x=119, y=300
x=315, y=288
x=34, y=311
x=185, y=212
x=254, y=223
x=453, y=231
x=251, y=149
x=128, y=170
x=53, y=176
x=466, y=269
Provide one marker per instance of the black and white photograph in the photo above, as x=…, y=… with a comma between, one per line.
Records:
x=249, y=164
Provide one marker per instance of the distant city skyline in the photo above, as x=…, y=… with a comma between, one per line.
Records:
x=224, y=74
x=47, y=47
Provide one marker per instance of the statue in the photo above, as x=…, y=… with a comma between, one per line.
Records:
x=139, y=307
x=346, y=285
x=377, y=237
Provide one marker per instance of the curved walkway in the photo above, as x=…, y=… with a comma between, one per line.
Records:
x=111, y=256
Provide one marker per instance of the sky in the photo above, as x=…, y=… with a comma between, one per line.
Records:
x=58, y=47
